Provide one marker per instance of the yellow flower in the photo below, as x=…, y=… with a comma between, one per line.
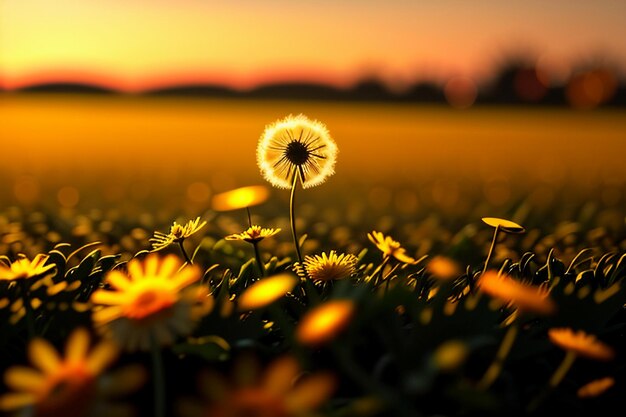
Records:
x=69, y=386
x=595, y=388
x=265, y=291
x=450, y=355
x=390, y=247
x=240, y=198
x=254, y=234
x=581, y=343
x=294, y=146
x=525, y=297
x=325, y=322
x=281, y=390
x=23, y=268
x=154, y=300
x=327, y=267
x=177, y=233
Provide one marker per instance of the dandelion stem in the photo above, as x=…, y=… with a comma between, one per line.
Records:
x=249, y=217
x=182, y=249
x=495, y=368
x=29, y=316
x=292, y=218
x=493, y=245
x=159, y=377
x=257, y=256
x=555, y=380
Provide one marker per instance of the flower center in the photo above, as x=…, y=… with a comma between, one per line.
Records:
x=297, y=153
x=177, y=230
x=149, y=302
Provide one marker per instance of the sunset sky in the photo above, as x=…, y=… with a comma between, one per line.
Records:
x=138, y=44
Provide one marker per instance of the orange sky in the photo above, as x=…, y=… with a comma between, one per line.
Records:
x=138, y=44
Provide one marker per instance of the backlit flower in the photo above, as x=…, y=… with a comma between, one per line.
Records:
x=265, y=291
x=525, y=297
x=505, y=225
x=327, y=267
x=595, y=388
x=581, y=343
x=69, y=386
x=23, y=268
x=281, y=390
x=390, y=247
x=324, y=322
x=177, y=233
x=253, y=234
x=294, y=146
x=240, y=198
x=443, y=268
x=155, y=299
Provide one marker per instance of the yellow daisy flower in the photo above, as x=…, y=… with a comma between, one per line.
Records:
x=154, y=300
x=69, y=386
x=23, y=268
x=240, y=198
x=294, y=146
x=281, y=390
x=253, y=234
x=327, y=267
x=177, y=233
x=595, y=388
x=390, y=247
x=265, y=291
x=325, y=322
x=581, y=343
x=525, y=297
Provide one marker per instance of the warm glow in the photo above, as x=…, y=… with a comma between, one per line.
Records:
x=140, y=44
x=324, y=322
x=265, y=291
x=240, y=198
x=523, y=296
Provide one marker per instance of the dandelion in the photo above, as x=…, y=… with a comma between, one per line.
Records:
x=296, y=148
x=254, y=234
x=280, y=390
x=390, y=247
x=327, y=267
x=525, y=297
x=595, y=388
x=178, y=233
x=23, y=271
x=23, y=268
x=581, y=343
x=72, y=385
x=266, y=291
x=325, y=322
x=153, y=301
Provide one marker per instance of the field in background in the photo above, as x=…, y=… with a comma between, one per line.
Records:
x=131, y=137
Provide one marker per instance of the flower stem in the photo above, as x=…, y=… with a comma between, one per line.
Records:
x=292, y=218
x=249, y=217
x=29, y=316
x=495, y=368
x=257, y=256
x=493, y=245
x=159, y=377
x=555, y=380
x=182, y=249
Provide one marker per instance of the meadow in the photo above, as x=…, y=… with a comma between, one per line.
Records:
x=456, y=263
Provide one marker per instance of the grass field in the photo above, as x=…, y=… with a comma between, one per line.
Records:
x=403, y=303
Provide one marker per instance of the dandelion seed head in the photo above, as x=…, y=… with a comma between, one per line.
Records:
x=296, y=146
